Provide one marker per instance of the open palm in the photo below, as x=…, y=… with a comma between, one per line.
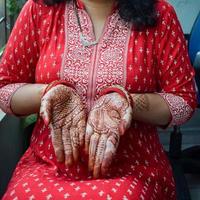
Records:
x=62, y=109
x=108, y=119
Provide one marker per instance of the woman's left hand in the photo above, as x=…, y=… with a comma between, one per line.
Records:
x=107, y=121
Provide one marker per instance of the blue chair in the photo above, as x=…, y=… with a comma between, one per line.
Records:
x=194, y=52
x=187, y=160
x=192, y=155
x=194, y=41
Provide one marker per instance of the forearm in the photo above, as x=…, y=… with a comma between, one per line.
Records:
x=26, y=100
x=150, y=108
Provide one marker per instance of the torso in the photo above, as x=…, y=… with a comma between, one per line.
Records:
x=122, y=56
x=111, y=61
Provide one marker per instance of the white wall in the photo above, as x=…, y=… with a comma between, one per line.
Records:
x=187, y=11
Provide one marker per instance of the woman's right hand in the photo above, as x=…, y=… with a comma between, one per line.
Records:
x=62, y=109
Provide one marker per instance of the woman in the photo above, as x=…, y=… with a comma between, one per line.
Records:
x=122, y=69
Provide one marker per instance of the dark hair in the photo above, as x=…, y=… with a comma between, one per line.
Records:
x=141, y=13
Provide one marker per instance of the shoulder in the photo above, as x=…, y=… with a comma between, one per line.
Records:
x=33, y=8
x=166, y=16
x=39, y=16
x=163, y=5
x=164, y=9
x=39, y=8
x=34, y=4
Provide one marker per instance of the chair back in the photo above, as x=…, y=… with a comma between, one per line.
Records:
x=194, y=52
x=194, y=41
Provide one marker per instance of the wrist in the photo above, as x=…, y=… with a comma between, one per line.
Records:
x=41, y=90
x=121, y=91
x=55, y=83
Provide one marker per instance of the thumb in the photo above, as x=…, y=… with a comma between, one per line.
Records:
x=45, y=111
x=122, y=127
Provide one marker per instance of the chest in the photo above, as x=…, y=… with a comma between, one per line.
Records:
x=122, y=56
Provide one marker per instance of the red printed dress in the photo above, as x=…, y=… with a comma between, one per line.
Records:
x=45, y=46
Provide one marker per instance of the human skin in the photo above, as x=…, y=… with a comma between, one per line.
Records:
x=149, y=108
x=110, y=117
x=105, y=123
x=63, y=111
x=155, y=111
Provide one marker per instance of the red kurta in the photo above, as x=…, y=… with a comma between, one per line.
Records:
x=45, y=46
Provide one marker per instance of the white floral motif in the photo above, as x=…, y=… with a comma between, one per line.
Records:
x=92, y=68
x=6, y=93
x=179, y=108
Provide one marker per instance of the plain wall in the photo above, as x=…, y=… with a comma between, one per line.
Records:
x=187, y=11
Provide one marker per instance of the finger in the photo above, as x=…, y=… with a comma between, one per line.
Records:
x=67, y=146
x=57, y=143
x=45, y=110
x=92, y=150
x=99, y=155
x=111, y=146
x=127, y=118
x=74, y=143
x=82, y=130
x=88, y=134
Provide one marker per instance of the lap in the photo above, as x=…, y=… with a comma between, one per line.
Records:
x=35, y=180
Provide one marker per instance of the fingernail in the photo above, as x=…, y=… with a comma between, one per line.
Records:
x=96, y=173
x=60, y=158
x=90, y=167
x=68, y=163
x=76, y=156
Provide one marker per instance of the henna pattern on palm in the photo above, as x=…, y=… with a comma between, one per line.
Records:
x=108, y=119
x=62, y=109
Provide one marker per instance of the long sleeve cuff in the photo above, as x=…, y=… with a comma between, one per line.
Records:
x=180, y=110
x=6, y=93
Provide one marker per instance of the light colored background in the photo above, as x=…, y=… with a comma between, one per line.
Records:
x=187, y=11
x=2, y=114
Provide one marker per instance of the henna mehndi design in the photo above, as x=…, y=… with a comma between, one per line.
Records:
x=141, y=102
x=108, y=119
x=62, y=109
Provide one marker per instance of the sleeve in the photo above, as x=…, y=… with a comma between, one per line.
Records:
x=175, y=73
x=17, y=66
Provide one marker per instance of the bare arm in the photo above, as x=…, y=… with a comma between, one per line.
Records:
x=150, y=108
x=26, y=100
x=18, y=93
